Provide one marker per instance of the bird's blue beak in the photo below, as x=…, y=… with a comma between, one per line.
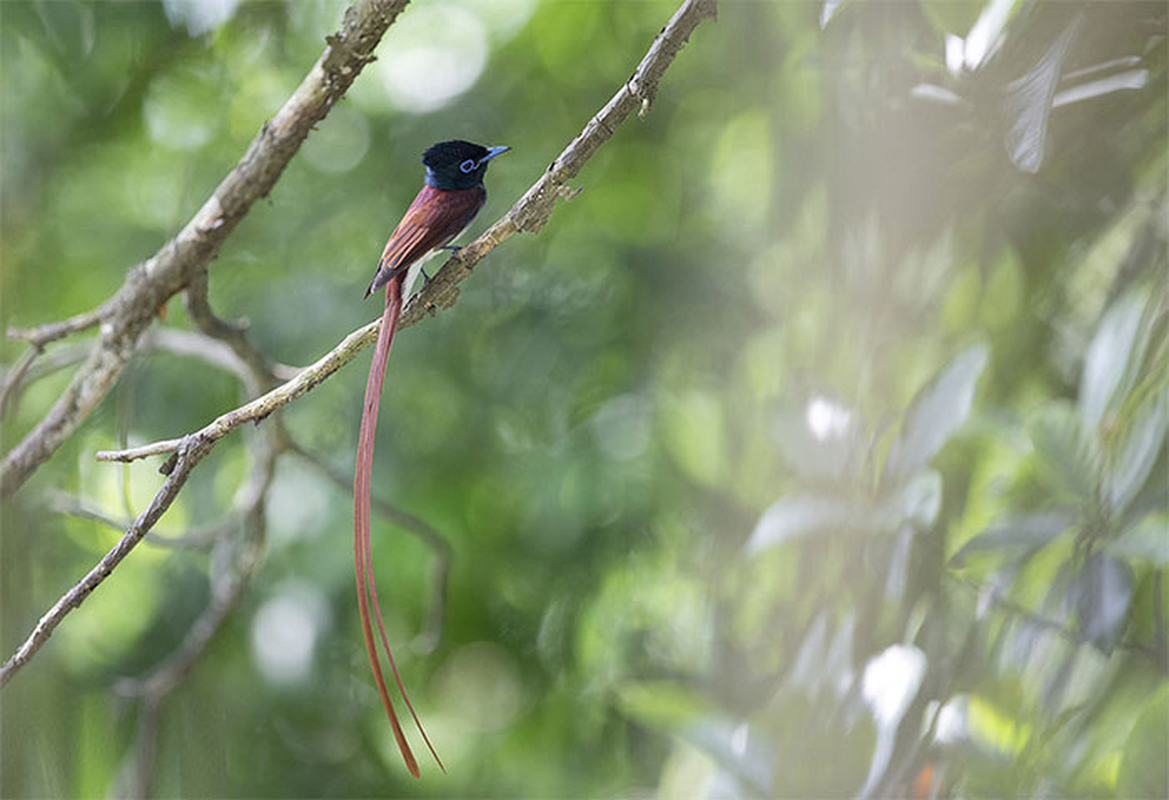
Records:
x=492, y=152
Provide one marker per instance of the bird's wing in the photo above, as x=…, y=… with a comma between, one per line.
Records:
x=433, y=219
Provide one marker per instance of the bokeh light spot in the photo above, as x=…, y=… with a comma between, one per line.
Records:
x=285, y=632
x=432, y=55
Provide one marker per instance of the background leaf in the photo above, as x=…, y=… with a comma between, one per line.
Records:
x=1101, y=594
x=939, y=410
x=802, y=515
x=1027, y=532
x=1138, y=451
x=1067, y=452
x=1120, y=340
x=1146, y=540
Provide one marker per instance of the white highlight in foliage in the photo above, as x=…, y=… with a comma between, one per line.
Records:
x=199, y=16
x=984, y=35
x=951, y=725
x=285, y=632
x=826, y=419
x=891, y=682
x=432, y=55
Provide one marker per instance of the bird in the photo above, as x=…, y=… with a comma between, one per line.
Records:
x=451, y=197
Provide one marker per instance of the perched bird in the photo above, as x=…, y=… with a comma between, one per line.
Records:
x=451, y=198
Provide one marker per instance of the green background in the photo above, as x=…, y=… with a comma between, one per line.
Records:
x=815, y=449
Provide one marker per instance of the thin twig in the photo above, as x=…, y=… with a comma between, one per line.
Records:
x=50, y=363
x=149, y=285
x=16, y=376
x=188, y=455
x=233, y=333
x=226, y=589
x=260, y=408
x=52, y=331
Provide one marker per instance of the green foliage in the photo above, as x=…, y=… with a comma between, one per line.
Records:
x=816, y=450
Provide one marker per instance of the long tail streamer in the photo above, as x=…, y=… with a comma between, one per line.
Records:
x=362, y=541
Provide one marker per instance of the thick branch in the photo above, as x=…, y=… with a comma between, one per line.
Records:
x=150, y=284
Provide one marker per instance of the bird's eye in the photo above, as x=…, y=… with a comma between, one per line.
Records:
x=468, y=165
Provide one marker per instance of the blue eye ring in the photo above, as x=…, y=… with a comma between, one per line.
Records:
x=469, y=165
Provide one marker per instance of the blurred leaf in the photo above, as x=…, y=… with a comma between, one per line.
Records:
x=806, y=674
x=695, y=435
x=1066, y=451
x=1026, y=532
x=801, y=515
x=892, y=680
x=661, y=704
x=950, y=17
x=1147, y=540
x=818, y=458
x=1128, y=80
x=897, y=572
x=1027, y=104
x=837, y=664
x=1004, y=291
x=828, y=11
x=986, y=31
x=1101, y=594
x=70, y=27
x=734, y=750
x=1120, y=341
x=1142, y=764
x=687, y=774
x=939, y=410
x=917, y=504
x=1139, y=451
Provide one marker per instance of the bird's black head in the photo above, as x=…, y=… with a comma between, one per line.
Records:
x=457, y=164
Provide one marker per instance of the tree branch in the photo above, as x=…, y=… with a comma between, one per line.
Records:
x=16, y=376
x=52, y=331
x=147, y=286
x=189, y=453
x=533, y=209
x=233, y=334
x=226, y=587
x=530, y=214
x=260, y=408
x=15, y=382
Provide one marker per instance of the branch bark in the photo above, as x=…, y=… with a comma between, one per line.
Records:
x=150, y=284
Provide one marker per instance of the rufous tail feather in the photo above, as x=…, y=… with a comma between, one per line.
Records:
x=362, y=541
